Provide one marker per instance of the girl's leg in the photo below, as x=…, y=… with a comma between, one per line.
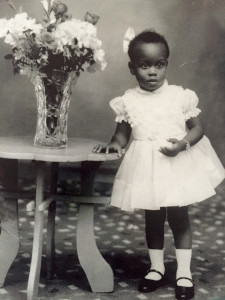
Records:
x=154, y=228
x=179, y=223
x=154, y=222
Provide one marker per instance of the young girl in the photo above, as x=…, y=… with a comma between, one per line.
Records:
x=169, y=164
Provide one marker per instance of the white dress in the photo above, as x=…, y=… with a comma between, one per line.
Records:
x=146, y=178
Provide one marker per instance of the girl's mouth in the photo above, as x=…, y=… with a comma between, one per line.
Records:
x=152, y=81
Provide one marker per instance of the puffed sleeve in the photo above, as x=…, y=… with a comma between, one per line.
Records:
x=119, y=109
x=190, y=108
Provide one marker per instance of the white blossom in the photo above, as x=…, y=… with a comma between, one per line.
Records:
x=17, y=26
x=45, y=4
x=3, y=27
x=35, y=43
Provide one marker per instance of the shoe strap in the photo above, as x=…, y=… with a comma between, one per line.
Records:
x=155, y=271
x=186, y=278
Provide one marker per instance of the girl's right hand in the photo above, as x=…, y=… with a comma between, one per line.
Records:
x=107, y=148
x=176, y=147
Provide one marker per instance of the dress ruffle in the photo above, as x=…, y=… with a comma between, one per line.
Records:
x=190, y=104
x=179, y=104
x=118, y=107
x=147, y=179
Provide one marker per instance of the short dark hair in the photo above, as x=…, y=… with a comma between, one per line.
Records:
x=147, y=36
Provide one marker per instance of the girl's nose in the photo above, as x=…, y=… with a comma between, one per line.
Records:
x=152, y=70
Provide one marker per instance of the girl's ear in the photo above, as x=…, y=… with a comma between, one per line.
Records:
x=131, y=67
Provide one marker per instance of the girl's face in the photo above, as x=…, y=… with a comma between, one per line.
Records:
x=149, y=65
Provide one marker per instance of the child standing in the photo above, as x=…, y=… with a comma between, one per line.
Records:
x=169, y=164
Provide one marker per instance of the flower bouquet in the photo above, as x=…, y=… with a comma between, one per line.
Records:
x=52, y=53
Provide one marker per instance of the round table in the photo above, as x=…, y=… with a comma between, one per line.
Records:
x=12, y=149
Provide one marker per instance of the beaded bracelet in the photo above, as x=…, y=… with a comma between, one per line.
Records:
x=188, y=145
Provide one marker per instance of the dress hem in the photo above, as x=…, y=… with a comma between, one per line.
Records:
x=171, y=205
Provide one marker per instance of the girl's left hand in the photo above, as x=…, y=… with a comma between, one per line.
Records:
x=174, y=149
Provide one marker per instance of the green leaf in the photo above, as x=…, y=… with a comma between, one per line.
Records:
x=8, y=56
x=11, y=4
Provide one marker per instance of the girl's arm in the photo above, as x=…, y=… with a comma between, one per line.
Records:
x=194, y=134
x=119, y=140
x=196, y=131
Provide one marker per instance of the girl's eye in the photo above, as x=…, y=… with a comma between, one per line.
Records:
x=144, y=66
x=160, y=65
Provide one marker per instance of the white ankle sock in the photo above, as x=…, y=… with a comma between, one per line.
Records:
x=183, y=266
x=157, y=263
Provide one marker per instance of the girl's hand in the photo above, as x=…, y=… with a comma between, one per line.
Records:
x=107, y=148
x=174, y=149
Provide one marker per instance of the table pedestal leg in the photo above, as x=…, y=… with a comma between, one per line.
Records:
x=9, y=238
x=50, y=238
x=98, y=272
x=34, y=275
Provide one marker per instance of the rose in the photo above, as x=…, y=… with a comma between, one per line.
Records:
x=49, y=40
x=91, y=18
x=60, y=42
x=60, y=9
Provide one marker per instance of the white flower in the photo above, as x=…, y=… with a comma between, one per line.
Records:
x=99, y=54
x=45, y=4
x=88, y=35
x=99, y=57
x=65, y=32
x=74, y=41
x=85, y=33
x=103, y=65
x=15, y=28
x=52, y=18
x=10, y=40
x=3, y=27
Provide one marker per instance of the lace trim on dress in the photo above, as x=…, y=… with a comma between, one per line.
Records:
x=153, y=111
x=192, y=114
x=151, y=116
x=120, y=119
x=119, y=108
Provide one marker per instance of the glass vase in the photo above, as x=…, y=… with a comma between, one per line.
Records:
x=53, y=94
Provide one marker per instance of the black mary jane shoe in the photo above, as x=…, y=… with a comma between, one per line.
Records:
x=184, y=292
x=149, y=285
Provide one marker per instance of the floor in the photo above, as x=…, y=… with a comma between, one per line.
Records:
x=120, y=238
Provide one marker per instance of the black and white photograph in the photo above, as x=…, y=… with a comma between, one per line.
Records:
x=112, y=149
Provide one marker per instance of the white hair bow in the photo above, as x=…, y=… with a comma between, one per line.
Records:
x=128, y=37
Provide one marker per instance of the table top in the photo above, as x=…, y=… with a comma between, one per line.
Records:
x=78, y=149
